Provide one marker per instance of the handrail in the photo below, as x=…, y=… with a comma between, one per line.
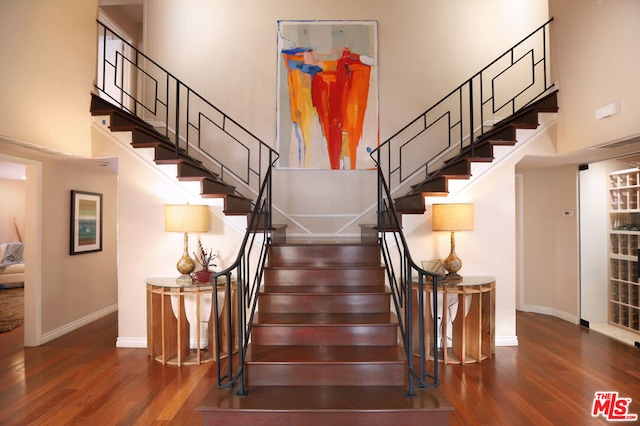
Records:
x=509, y=83
x=407, y=280
x=195, y=126
x=248, y=268
x=140, y=86
x=395, y=158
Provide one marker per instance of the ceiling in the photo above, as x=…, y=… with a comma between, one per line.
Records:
x=626, y=150
x=132, y=8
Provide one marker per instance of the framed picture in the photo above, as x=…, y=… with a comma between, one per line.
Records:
x=327, y=94
x=86, y=222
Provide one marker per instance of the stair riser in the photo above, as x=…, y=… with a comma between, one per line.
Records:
x=324, y=303
x=236, y=205
x=189, y=170
x=355, y=335
x=165, y=153
x=326, y=375
x=373, y=276
x=214, y=187
x=458, y=168
x=322, y=255
x=506, y=134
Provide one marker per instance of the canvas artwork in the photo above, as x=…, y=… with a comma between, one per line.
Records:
x=86, y=222
x=327, y=94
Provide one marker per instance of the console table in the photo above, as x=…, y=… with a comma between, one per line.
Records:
x=469, y=308
x=168, y=327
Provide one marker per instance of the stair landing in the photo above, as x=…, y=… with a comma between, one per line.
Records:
x=325, y=405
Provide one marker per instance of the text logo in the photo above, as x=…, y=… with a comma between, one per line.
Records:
x=612, y=407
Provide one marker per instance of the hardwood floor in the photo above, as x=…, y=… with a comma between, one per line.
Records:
x=82, y=378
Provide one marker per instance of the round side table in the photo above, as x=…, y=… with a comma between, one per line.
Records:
x=172, y=309
x=468, y=307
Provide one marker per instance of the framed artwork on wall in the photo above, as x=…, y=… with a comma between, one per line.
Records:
x=86, y=222
x=327, y=94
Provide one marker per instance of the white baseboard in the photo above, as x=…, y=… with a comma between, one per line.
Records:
x=506, y=341
x=61, y=331
x=131, y=342
x=546, y=310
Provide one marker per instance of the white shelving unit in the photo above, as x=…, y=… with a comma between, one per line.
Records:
x=624, y=233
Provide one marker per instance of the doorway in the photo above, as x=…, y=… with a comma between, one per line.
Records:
x=30, y=232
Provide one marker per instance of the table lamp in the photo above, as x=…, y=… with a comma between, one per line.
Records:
x=186, y=218
x=452, y=217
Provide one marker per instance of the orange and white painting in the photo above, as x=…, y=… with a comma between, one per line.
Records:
x=327, y=94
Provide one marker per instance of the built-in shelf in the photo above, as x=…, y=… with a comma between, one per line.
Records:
x=624, y=240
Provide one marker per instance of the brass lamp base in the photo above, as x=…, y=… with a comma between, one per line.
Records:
x=186, y=265
x=453, y=263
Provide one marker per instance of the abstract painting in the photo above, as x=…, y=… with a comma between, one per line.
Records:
x=86, y=222
x=327, y=94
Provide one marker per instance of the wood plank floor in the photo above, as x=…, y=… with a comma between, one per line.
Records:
x=81, y=378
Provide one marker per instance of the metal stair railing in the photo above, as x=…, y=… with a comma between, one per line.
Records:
x=139, y=85
x=247, y=272
x=408, y=283
x=508, y=84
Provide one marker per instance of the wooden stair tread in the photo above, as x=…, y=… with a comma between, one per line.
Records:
x=314, y=267
x=327, y=241
x=326, y=398
x=324, y=354
x=322, y=318
x=323, y=289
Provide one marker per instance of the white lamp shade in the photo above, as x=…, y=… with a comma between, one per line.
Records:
x=186, y=218
x=452, y=217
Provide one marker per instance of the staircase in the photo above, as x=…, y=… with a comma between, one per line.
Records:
x=325, y=346
x=459, y=166
x=189, y=169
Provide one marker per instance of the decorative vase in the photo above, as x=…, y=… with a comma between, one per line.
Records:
x=203, y=276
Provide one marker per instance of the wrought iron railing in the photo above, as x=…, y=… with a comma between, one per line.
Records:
x=409, y=284
x=509, y=83
x=136, y=83
x=246, y=275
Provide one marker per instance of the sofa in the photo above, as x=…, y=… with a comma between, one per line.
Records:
x=11, y=263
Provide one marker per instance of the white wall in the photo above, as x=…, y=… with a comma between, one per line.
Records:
x=74, y=287
x=490, y=249
x=551, y=245
x=594, y=59
x=48, y=70
x=145, y=250
x=63, y=292
x=226, y=51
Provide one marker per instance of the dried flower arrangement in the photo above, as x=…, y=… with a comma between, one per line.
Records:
x=204, y=257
